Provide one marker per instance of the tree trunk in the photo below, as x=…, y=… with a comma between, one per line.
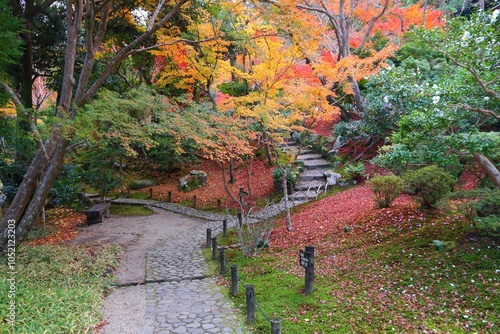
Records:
x=488, y=167
x=231, y=170
x=289, y=226
x=268, y=148
x=50, y=157
x=226, y=185
x=249, y=176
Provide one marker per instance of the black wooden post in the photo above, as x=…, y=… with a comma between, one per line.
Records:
x=169, y=199
x=222, y=257
x=209, y=237
x=224, y=227
x=234, y=280
x=214, y=249
x=309, y=277
x=194, y=201
x=150, y=192
x=276, y=326
x=219, y=204
x=250, y=294
x=240, y=219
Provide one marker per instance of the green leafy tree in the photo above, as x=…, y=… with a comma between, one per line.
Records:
x=452, y=114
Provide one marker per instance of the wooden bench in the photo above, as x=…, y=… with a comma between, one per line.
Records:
x=95, y=213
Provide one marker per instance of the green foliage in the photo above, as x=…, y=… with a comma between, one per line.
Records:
x=139, y=184
x=103, y=180
x=293, y=175
x=10, y=44
x=67, y=188
x=386, y=189
x=489, y=225
x=235, y=88
x=130, y=210
x=354, y=171
x=435, y=101
x=489, y=204
x=59, y=289
x=429, y=184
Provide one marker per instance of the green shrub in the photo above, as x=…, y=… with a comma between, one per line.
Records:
x=355, y=171
x=489, y=225
x=429, y=184
x=386, y=189
x=488, y=205
x=139, y=184
x=292, y=178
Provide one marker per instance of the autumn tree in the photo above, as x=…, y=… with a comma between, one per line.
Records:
x=86, y=20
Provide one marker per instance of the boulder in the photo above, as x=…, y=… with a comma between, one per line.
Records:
x=331, y=177
x=194, y=180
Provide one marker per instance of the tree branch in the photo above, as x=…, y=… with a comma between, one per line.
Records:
x=371, y=24
x=20, y=106
x=485, y=112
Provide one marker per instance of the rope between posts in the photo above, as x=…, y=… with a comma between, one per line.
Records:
x=256, y=303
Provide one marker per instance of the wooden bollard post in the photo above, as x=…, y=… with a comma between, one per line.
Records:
x=309, y=277
x=234, y=280
x=214, y=249
x=222, y=257
x=194, y=201
x=150, y=192
x=240, y=219
x=219, y=204
x=250, y=294
x=224, y=227
x=169, y=199
x=276, y=326
x=128, y=192
x=209, y=237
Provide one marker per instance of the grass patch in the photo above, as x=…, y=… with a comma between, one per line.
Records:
x=58, y=289
x=130, y=210
x=389, y=277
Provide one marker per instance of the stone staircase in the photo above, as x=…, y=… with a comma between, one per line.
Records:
x=312, y=180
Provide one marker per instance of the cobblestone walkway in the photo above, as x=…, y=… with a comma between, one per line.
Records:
x=181, y=296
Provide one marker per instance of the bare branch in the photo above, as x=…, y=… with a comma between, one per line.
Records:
x=155, y=14
x=484, y=112
x=371, y=24
x=180, y=40
x=482, y=84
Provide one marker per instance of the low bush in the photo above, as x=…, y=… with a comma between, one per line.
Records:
x=139, y=184
x=355, y=171
x=386, y=189
x=429, y=184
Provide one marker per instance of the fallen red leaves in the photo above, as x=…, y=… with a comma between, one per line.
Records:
x=63, y=223
x=207, y=196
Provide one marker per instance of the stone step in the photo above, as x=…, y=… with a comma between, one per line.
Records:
x=316, y=164
x=313, y=174
x=304, y=195
x=308, y=156
x=312, y=185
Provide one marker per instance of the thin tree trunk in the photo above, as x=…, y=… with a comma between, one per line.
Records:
x=268, y=148
x=226, y=185
x=231, y=170
x=289, y=226
x=488, y=167
x=249, y=176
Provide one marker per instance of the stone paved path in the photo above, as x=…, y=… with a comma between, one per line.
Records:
x=181, y=296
